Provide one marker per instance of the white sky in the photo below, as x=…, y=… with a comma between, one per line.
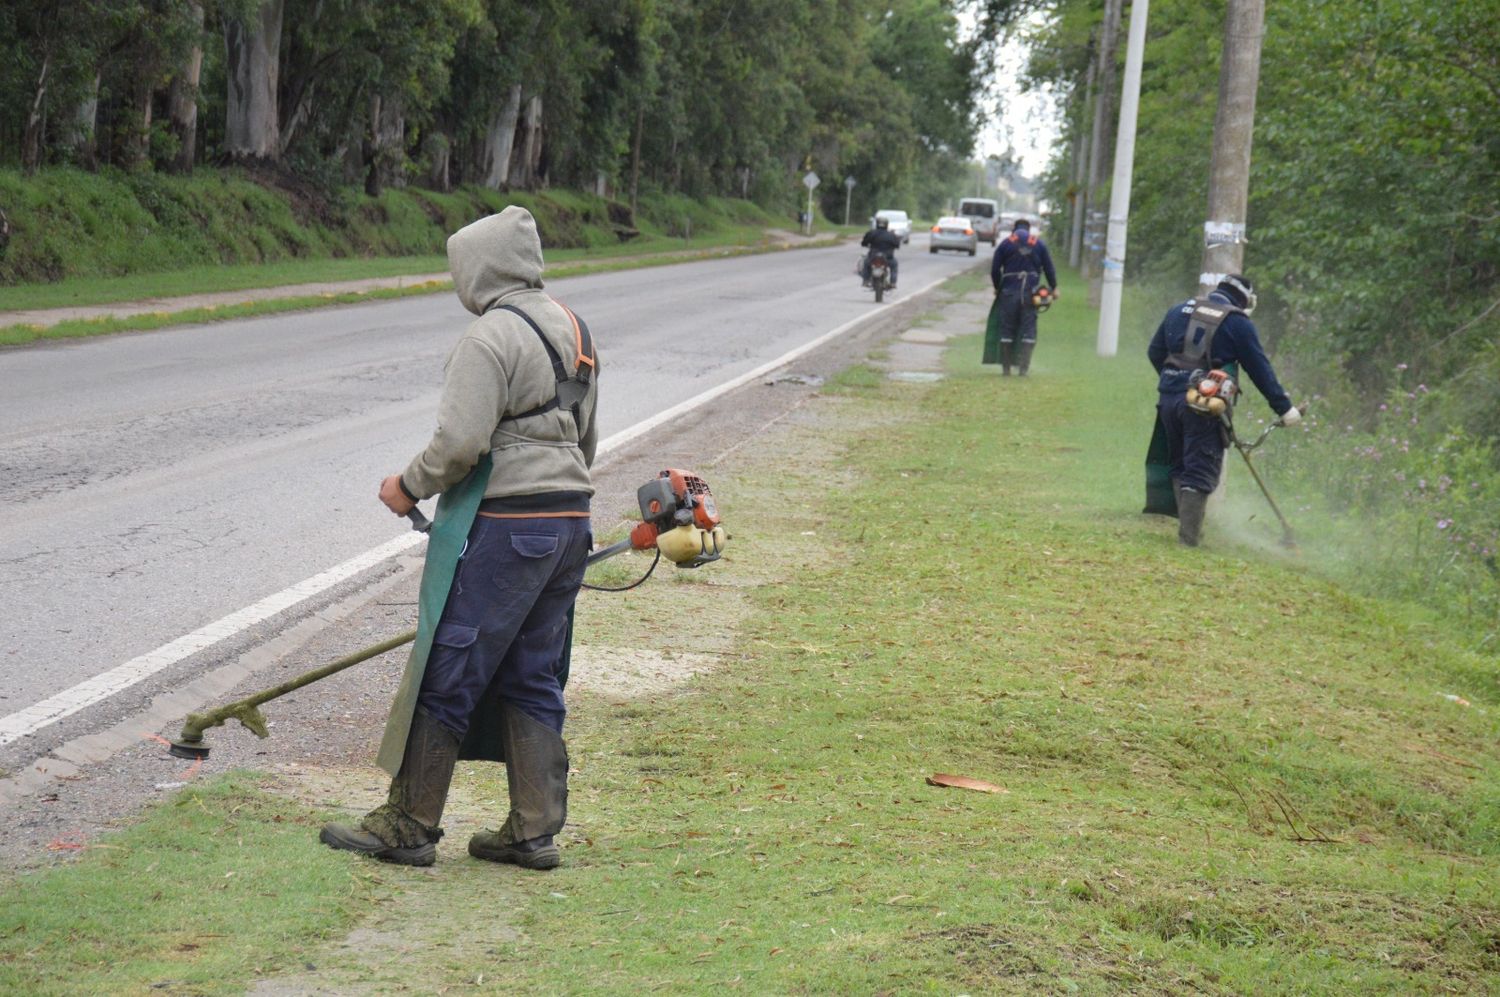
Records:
x=1028, y=123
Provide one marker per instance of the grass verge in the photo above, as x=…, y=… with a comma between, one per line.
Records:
x=1221, y=773
x=566, y=263
x=215, y=885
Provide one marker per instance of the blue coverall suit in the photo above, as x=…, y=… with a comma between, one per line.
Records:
x=1016, y=272
x=1195, y=440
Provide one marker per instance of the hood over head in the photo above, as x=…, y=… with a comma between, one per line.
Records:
x=495, y=256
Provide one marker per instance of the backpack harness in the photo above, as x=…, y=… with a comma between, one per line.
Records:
x=1196, y=352
x=572, y=388
x=1023, y=250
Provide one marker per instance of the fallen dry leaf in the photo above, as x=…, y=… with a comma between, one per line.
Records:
x=964, y=782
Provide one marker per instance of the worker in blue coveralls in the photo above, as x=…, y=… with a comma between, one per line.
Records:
x=1017, y=269
x=1197, y=336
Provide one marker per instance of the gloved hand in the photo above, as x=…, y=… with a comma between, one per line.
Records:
x=1291, y=417
x=1054, y=294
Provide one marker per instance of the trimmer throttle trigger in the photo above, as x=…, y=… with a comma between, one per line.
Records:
x=419, y=522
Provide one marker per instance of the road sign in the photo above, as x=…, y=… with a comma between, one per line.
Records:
x=810, y=181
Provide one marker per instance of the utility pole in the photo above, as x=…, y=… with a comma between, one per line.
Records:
x=1080, y=154
x=1108, y=42
x=1119, y=192
x=1234, y=124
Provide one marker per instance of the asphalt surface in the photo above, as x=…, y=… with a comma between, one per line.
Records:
x=157, y=483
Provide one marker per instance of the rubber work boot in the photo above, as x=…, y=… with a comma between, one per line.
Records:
x=1191, y=505
x=1006, y=349
x=1023, y=357
x=404, y=830
x=536, y=767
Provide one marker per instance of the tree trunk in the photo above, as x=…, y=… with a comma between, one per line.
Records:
x=1234, y=126
x=439, y=154
x=252, y=52
x=80, y=134
x=387, y=133
x=524, y=172
x=31, y=139
x=499, y=141
x=133, y=150
x=182, y=99
x=635, y=157
x=1080, y=164
x=1093, y=257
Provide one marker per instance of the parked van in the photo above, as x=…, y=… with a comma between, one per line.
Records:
x=984, y=215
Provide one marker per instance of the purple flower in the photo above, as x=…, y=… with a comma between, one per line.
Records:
x=1443, y=524
x=1401, y=366
x=1382, y=406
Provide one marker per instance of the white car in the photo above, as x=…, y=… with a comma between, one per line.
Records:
x=954, y=232
x=899, y=223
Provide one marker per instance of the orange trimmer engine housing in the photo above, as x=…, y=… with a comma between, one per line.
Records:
x=671, y=499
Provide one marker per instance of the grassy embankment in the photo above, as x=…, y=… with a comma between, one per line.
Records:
x=1223, y=774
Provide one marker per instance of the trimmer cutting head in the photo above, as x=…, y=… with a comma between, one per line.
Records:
x=188, y=747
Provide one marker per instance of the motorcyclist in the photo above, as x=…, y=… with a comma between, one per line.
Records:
x=882, y=240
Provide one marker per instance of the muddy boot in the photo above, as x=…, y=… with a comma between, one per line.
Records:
x=536, y=767
x=1191, y=505
x=404, y=829
x=1023, y=357
x=1176, y=499
x=1006, y=351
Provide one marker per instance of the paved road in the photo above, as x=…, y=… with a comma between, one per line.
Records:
x=156, y=483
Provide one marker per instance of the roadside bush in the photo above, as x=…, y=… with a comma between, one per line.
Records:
x=1406, y=503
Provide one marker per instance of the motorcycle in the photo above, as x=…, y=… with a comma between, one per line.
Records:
x=878, y=275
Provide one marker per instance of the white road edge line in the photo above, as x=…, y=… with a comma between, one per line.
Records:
x=100, y=687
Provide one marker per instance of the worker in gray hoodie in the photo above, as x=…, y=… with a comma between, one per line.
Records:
x=510, y=459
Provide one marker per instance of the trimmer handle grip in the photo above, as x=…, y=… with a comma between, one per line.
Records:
x=419, y=522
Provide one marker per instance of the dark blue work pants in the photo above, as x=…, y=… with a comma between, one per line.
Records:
x=506, y=620
x=1195, y=443
x=1017, y=317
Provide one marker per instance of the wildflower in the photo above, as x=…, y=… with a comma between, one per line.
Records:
x=1382, y=406
x=1422, y=484
x=1401, y=366
x=1422, y=388
x=1443, y=524
x=1400, y=475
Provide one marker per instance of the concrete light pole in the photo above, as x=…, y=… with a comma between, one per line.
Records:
x=1119, y=195
x=1234, y=124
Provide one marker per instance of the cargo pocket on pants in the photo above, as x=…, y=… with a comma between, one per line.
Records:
x=451, y=644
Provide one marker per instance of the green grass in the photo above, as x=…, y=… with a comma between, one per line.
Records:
x=216, y=885
x=1224, y=773
x=82, y=291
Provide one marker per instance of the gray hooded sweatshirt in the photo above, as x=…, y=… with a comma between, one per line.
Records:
x=499, y=370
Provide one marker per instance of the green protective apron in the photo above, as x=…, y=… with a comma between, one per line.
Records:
x=992, y=334
x=455, y=514
x=456, y=510
x=1160, y=499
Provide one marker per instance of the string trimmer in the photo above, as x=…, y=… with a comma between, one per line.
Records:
x=678, y=520
x=1287, y=540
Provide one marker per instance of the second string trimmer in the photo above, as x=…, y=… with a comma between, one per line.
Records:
x=679, y=520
